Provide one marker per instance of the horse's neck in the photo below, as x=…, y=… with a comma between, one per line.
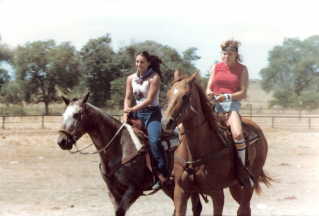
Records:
x=107, y=131
x=102, y=130
x=202, y=138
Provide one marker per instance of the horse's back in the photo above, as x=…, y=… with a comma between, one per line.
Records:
x=260, y=148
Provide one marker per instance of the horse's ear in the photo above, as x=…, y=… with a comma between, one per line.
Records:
x=192, y=78
x=85, y=99
x=66, y=100
x=177, y=75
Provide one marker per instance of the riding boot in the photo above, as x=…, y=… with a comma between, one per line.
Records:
x=162, y=181
x=244, y=175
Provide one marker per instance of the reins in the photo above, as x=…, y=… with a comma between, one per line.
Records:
x=104, y=149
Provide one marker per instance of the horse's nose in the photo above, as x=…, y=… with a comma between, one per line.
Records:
x=62, y=142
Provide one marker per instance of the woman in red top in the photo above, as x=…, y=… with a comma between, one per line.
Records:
x=228, y=83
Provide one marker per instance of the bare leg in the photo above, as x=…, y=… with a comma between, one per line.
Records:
x=180, y=201
x=243, y=197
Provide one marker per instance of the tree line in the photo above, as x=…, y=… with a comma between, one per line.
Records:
x=45, y=70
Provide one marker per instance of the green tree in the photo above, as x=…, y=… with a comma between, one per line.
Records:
x=11, y=93
x=42, y=67
x=292, y=74
x=99, y=68
x=5, y=56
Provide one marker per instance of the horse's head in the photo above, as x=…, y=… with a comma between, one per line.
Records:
x=73, y=118
x=179, y=103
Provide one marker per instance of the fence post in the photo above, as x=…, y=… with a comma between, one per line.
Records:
x=3, y=122
x=272, y=121
x=42, y=123
x=250, y=110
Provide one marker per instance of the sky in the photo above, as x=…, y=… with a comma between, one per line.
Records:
x=258, y=25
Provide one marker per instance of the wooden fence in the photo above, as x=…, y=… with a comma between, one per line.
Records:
x=265, y=121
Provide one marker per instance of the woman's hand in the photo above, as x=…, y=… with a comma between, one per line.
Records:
x=210, y=95
x=124, y=118
x=129, y=109
x=220, y=98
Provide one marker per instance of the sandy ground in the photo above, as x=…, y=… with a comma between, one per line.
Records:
x=39, y=179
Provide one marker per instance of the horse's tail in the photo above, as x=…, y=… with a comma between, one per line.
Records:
x=264, y=179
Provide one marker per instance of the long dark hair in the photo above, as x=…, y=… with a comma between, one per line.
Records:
x=155, y=61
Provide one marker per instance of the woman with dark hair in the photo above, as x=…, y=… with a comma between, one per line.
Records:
x=144, y=87
x=228, y=83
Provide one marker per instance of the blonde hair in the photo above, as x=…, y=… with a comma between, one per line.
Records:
x=231, y=45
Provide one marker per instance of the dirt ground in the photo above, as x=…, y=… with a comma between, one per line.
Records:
x=39, y=179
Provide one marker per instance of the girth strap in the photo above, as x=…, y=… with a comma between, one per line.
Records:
x=195, y=163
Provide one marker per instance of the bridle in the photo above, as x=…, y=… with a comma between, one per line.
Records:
x=185, y=105
x=74, y=137
x=69, y=135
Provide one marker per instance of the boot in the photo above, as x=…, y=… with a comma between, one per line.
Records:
x=162, y=181
x=244, y=175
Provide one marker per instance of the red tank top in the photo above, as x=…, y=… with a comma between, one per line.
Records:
x=226, y=79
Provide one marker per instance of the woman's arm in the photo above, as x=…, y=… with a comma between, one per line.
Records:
x=242, y=93
x=128, y=97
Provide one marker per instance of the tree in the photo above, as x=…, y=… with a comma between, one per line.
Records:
x=11, y=93
x=42, y=67
x=99, y=68
x=293, y=74
x=5, y=56
x=4, y=77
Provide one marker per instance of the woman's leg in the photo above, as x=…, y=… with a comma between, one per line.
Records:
x=239, y=140
x=237, y=132
x=154, y=135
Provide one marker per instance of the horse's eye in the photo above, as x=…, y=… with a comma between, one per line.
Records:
x=76, y=115
x=184, y=98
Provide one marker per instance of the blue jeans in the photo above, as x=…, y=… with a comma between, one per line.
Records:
x=151, y=118
x=227, y=106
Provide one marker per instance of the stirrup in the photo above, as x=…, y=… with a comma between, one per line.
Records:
x=157, y=186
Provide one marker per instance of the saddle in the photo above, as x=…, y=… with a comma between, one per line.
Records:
x=168, y=140
x=251, y=135
x=224, y=132
x=141, y=132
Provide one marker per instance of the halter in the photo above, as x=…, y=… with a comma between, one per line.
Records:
x=185, y=104
x=70, y=136
x=74, y=138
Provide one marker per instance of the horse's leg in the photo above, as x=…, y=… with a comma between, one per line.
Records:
x=243, y=197
x=128, y=198
x=196, y=204
x=218, y=202
x=180, y=201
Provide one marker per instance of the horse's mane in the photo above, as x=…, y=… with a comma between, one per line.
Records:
x=206, y=106
x=105, y=116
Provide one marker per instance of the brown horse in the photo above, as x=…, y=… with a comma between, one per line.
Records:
x=122, y=166
x=202, y=162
